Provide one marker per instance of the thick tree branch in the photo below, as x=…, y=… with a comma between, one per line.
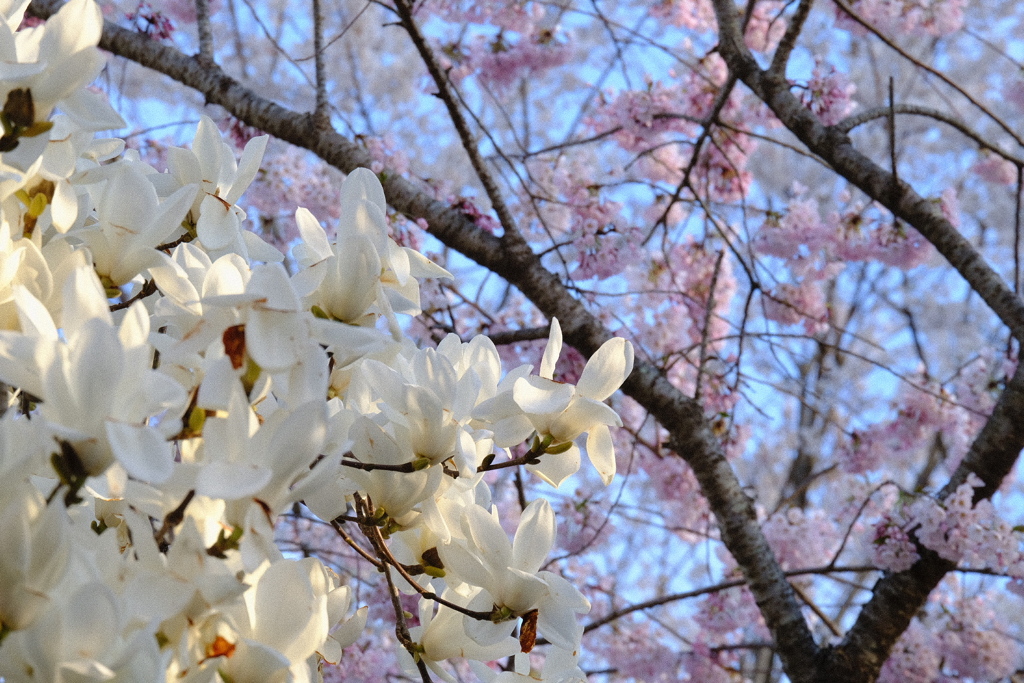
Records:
x=691, y=435
x=896, y=597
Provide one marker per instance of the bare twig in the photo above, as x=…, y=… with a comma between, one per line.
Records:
x=796, y=24
x=444, y=91
x=205, y=31
x=321, y=114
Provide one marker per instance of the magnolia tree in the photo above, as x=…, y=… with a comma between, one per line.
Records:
x=285, y=396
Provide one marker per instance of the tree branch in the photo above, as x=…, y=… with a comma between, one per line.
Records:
x=859, y=119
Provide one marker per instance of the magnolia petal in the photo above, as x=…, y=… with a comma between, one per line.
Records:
x=540, y=396
x=330, y=650
x=347, y=339
x=556, y=468
x=84, y=300
x=33, y=316
x=580, y=416
x=552, y=350
x=141, y=450
x=274, y=339
x=64, y=207
x=96, y=367
x=308, y=279
x=484, y=531
x=227, y=275
x=512, y=431
x=294, y=438
x=464, y=564
x=18, y=366
x=271, y=282
x=562, y=629
x=91, y=110
x=367, y=219
x=362, y=183
x=290, y=616
x=254, y=661
x=315, y=246
x=86, y=624
x=184, y=165
x=564, y=594
x=421, y=267
x=398, y=259
x=259, y=249
x=348, y=292
x=76, y=27
x=535, y=536
x=487, y=633
x=606, y=370
x=132, y=262
x=601, y=452
x=173, y=281
x=218, y=385
x=218, y=224
x=231, y=480
x=351, y=629
x=167, y=220
x=207, y=146
x=248, y=167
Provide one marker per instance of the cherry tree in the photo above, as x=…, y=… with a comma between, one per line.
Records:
x=315, y=316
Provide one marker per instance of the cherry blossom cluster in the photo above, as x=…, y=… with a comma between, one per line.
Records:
x=171, y=389
x=953, y=639
x=817, y=249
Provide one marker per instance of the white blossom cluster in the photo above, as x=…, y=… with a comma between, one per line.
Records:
x=173, y=389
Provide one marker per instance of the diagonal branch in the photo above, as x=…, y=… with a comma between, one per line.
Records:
x=691, y=434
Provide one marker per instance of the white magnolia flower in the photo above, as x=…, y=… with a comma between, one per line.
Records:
x=364, y=271
x=442, y=637
x=510, y=576
x=21, y=264
x=211, y=165
x=47, y=66
x=83, y=636
x=560, y=666
x=395, y=493
x=97, y=384
x=132, y=222
x=287, y=618
x=560, y=413
x=33, y=554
